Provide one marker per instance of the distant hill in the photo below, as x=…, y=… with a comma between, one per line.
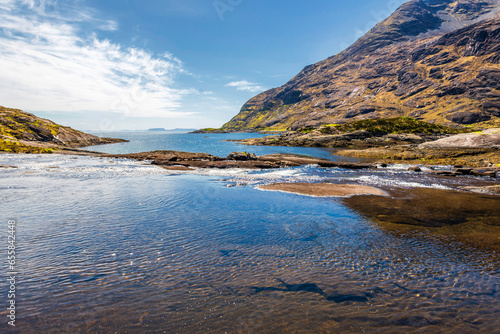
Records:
x=433, y=60
x=157, y=129
x=24, y=132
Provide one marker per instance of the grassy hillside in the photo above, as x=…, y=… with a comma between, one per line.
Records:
x=406, y=66
x=22, y=132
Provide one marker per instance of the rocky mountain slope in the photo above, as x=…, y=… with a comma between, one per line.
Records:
x=24, y=132
x=433, y=60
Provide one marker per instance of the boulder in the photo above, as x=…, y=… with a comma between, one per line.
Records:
x=241, y=156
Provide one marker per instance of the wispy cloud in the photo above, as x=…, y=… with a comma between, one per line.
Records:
x=246, y=86
x=52, y=60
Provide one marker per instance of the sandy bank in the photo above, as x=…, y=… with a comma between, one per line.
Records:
x=324, y=189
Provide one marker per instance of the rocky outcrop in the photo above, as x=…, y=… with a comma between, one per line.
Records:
x=185, y=161
x=23, y=131
x=436, y=60
x=485, y=139
x=482, y=158
x=357, y=139
x=233, y=160
x=365, y=133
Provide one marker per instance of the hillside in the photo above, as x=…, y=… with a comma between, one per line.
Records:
x=435, y=60
x=24, y=132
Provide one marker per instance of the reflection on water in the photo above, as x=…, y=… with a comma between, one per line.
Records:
x=137, y=249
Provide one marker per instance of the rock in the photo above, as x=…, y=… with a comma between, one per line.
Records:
x=380, y=165
x=8, y=166
x=235, y=160
x=347, y=165
x=467, y=117
x=443, y=173
x=484, y=163
x=483, y=172
x=486, y=139
x=360, y=111
x=490, y=174
x=489, y=190
x=463, y=171
x=415, y=169
x=241, y=156
x=406, y=137
x=324, y=189
x=177, y=168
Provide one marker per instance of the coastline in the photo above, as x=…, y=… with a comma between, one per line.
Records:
x=436, y=162
x=464, y=208
x=471, y=150
x=189, y=160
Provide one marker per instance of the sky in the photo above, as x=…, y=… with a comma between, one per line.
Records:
x=137, y=64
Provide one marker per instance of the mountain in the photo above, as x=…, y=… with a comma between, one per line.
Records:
x=24, y=132
x=433, y=60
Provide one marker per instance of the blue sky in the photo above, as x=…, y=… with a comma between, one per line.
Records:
x=136, y=64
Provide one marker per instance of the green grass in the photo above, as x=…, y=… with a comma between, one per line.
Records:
x=306, y=130
x=210, y=129
x=13, y=147
x=392, y=126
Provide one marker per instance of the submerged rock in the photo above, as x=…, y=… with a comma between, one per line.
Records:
x=324, y=189
x=489, y=190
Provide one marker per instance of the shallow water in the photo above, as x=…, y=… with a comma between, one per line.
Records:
x=114, y=245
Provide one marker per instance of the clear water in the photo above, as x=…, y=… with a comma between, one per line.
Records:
x=215, y=144
x=114, y=245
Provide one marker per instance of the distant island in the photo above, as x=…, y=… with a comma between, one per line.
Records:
x=157, y=129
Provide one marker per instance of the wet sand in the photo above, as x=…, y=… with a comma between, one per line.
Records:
x=324, y=189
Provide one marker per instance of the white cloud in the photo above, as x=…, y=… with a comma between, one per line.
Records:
x=246, y=86
x=50, y=63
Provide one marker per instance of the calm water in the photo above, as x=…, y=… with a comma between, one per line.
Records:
x=207, y=143
x=112, y=245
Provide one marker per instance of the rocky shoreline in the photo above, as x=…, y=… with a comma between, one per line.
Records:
x=176, y=160
x=474, y=150
x=358, y=139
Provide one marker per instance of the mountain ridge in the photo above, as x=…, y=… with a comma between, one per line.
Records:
x=389, y=73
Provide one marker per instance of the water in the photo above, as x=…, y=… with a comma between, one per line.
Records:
x=114, y=245
x=215, y=144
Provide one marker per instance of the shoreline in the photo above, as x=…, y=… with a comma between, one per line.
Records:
x=472, y=150
x=471, y=161
x=468, y=211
